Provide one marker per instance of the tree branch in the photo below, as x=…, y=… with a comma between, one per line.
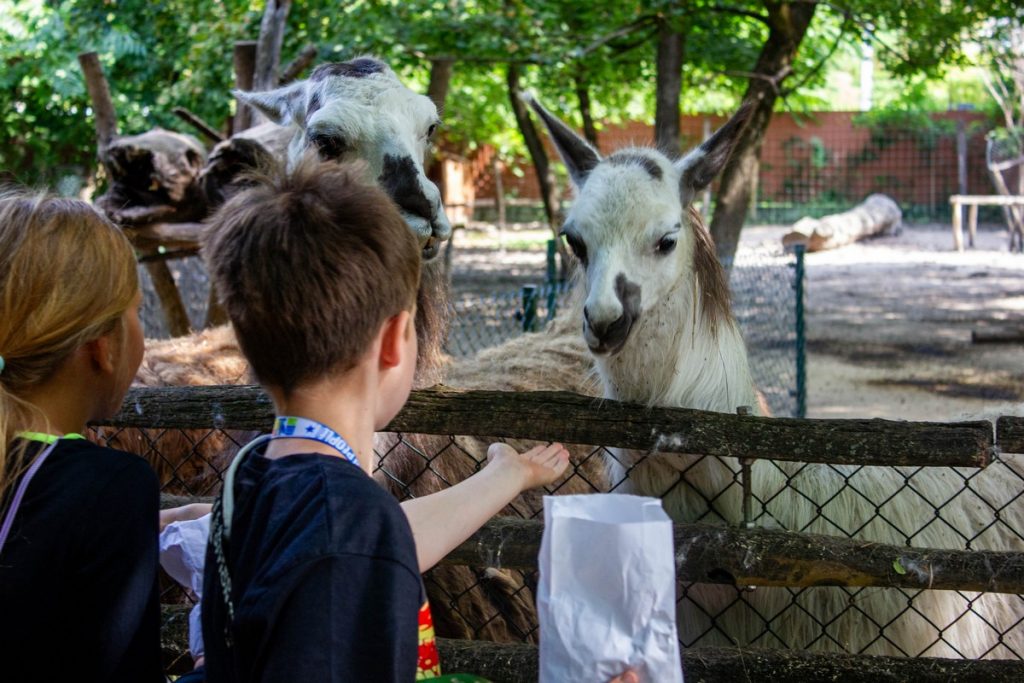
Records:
x=208, y=131
x=739, y=11
x=821, y=63
x=617, y=33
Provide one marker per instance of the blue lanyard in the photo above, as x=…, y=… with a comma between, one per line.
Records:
x=286, y=427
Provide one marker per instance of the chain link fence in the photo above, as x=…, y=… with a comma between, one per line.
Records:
x=956, y=508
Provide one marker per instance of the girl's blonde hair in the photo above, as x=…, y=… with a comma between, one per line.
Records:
x=67, y=275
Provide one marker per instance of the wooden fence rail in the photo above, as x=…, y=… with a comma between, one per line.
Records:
x=518, y=663
x=571, y=418
x=708, y=553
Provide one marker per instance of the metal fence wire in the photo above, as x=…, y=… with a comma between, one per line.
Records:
x=899, y=505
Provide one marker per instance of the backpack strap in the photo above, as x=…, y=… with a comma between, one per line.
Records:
x=12, y=510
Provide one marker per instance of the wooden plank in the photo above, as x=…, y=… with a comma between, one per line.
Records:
x=958, y=229
x=571, y=418
x=244, y=60
x=1010, y=434
x=167, y=235
x=519, y=662
x=987, y=199
x=170, y=298
x=972, y=224
x=708, y=553
x=998, y=336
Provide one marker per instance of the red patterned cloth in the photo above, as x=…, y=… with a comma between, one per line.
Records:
x=429, y=665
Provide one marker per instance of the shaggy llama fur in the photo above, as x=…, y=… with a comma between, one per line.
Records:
x=661, y=336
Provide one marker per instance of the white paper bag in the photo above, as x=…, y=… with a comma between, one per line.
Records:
x=183, y=555
x=607, y=594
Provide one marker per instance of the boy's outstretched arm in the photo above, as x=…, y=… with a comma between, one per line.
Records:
x=443, y=520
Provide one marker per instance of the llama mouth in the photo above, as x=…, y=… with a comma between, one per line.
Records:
x=431, y=248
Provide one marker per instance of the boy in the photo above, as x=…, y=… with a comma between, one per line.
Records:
x=312, y=571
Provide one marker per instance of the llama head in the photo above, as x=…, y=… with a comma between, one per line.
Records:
x=359, y=110
x=633, y=231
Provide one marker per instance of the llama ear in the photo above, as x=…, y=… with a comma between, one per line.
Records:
x=283, y=106
x=579, y=156
x=698, y=168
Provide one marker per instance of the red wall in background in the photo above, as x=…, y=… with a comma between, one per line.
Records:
x=810, y=158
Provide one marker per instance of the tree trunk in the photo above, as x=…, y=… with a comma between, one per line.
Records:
x=541, y=163
x=586, y=112
x=99, y=96
x=669, y=82
x=268, y=50
x=440, y=79
x=437, y=91
x=788, y=23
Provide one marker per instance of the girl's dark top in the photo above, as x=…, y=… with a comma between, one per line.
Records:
x=78, y=591
x=324, y=578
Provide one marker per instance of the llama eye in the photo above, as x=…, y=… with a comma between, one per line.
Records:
x=666, y=244
x=579, y=249
x=431, y=130
x=329, y=146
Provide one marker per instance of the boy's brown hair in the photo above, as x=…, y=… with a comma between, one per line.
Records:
x=308, y=265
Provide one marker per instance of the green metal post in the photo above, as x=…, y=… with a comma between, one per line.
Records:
x=529, y=308
x=801, y=336
x=551, y=282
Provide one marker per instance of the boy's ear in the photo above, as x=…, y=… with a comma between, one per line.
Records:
x=393, y=336
x=100, y=352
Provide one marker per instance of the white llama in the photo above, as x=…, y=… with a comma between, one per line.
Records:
x=656, y=318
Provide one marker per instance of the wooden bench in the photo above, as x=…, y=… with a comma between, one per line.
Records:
x=973, y=201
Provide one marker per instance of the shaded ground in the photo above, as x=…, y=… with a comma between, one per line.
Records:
x=888, y=320
x=889, y=326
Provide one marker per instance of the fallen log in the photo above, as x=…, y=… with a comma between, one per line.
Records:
x=876, y=215
x=154, y=177
x=572, y=418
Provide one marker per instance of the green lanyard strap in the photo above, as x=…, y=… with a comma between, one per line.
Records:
x=42, y=437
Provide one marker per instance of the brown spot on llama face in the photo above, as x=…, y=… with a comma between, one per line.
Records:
x=628, y=159
x=354, y=68
x=611, y=336
x=400, y=179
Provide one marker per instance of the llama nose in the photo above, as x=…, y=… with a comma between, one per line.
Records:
x=602, y=328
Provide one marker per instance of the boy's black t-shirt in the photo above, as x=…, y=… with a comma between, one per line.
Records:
x=324, y=577
x=78, y=591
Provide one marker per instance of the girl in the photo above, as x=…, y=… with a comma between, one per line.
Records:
x=78, y=522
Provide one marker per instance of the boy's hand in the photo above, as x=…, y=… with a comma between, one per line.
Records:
x=183, y=513
x=539, y=466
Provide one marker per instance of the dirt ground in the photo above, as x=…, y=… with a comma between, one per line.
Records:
x=889, y=320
